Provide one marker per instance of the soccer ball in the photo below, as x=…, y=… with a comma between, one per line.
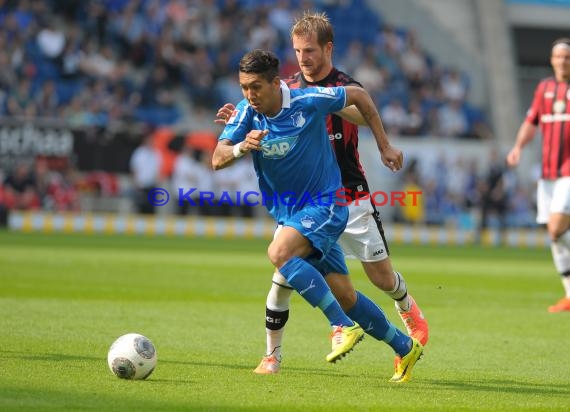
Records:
x=132, y=356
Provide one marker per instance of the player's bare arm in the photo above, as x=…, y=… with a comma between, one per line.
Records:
x=526, y=133
x=352, y=115
x=226, y=152
x=392, y=157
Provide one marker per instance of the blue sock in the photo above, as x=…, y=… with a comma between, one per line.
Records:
x=310, y=284
x=375, y=323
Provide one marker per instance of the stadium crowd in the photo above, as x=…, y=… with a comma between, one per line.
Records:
x=170, y=63
x=161, y=61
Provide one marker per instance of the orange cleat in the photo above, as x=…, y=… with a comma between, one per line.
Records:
x=416, y=324
x=562, y=305
x=268, y=365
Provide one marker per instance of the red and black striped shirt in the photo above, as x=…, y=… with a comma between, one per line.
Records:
x=550, y=110
x=343, y=135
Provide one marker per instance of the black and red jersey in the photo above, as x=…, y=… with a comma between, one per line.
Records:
x=550, y=110
x=343, y=135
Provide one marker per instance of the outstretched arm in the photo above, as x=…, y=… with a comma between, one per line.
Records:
x=391, y=156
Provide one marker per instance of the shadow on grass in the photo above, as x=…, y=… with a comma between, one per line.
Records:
x=59, y=357
x=249, y=367
x=501, y=385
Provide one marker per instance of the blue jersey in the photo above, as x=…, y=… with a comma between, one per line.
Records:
x=296, y=165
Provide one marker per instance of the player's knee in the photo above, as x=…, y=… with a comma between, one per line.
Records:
x=555, y=232
x=278, y=254
x=557, y=228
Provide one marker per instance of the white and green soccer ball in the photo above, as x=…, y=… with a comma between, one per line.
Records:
x=132, y=356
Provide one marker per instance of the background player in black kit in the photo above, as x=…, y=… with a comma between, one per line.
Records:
x=312, y=37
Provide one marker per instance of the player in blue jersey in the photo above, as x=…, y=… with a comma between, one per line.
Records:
x=312, y=37
x=286, y=133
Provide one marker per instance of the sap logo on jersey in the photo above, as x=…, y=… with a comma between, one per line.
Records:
x=278, y=148
x=326, y=90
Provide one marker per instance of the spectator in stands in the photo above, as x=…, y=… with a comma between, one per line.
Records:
x=452, y=120
x=47, y=100
x=72, y=56
x=413, y=62
x=394, y=117
x=187, y=175
x=415, y=124
x=20, y=98
x=494, y=199
x=453, y=86
x=263, y=35
x=157, y=90
x=200, y=79
x=389, y=39
x=226, y=87
x=353, y=58
x=7, y=75
x=20, y=189
x=370, y=75
x=51, y=39
x=413, y=210
x=145, y=171
x=281, y=18
x=62, y=194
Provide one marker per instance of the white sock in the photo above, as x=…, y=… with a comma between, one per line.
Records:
x=400, y=293
x=561, y=257
x=565, y=239
x=278, y=300
x=566, y=284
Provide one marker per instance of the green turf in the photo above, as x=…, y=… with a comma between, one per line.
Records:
x=64, y=299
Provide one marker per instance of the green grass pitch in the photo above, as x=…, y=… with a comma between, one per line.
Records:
x=65, y=298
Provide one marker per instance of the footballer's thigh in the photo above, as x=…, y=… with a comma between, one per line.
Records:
x=553, y=205
x=364, y=240
x=363, y=237
x=286, y=244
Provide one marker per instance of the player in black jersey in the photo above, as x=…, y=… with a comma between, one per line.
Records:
x=312, y=37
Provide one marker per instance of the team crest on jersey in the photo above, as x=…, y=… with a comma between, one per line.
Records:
x=326, y=90
x=559, y=106
x=298, y=119
x=307, y=221
x=278, y=148
x=233, y=116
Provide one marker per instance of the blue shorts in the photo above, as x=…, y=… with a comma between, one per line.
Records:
x=322, y=226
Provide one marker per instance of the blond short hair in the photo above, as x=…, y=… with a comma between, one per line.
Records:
x=314, y=22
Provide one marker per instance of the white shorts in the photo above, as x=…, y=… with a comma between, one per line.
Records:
x=552, y=196
x=363, y=238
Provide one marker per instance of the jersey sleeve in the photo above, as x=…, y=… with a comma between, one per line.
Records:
x=329, y=99
x=239, y=123
x=533, y=113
